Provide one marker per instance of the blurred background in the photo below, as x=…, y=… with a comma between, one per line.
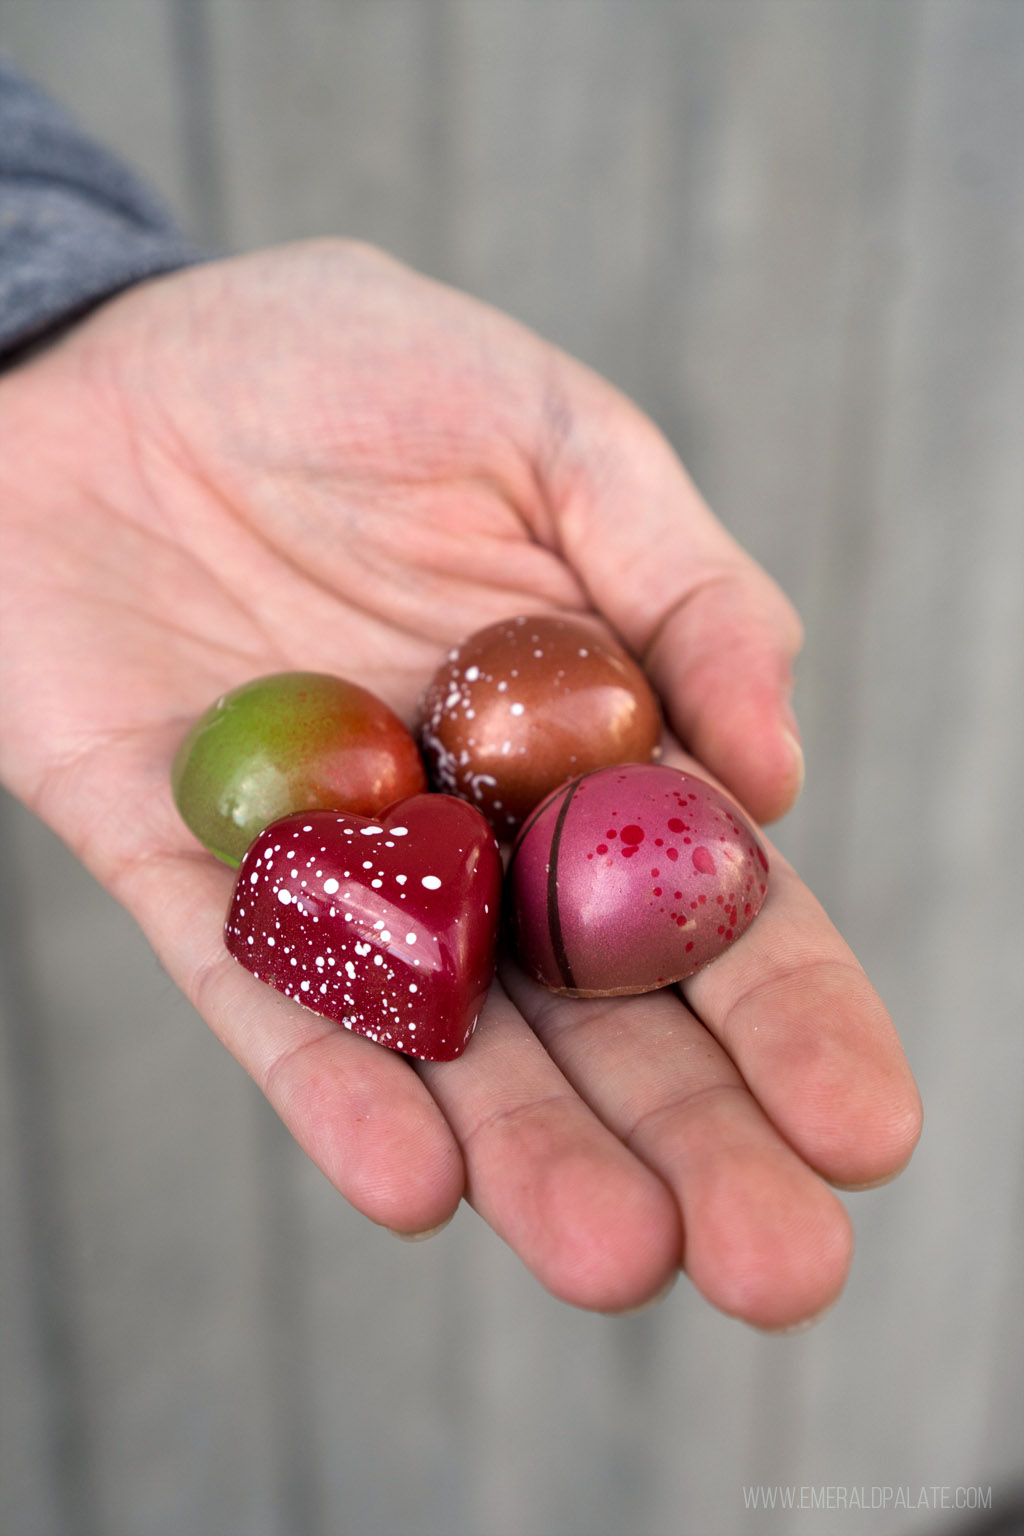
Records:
x=793, y=230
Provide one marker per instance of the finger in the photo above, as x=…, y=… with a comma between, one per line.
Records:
x=764, y=1239
x=359, y=1112
x=593, y=1223
x=715, y=633
x=811, y=1037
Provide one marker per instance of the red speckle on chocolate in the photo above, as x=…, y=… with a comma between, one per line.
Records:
x=602, y=847
x=675, y=825
x=611, y=832
x=590, y=928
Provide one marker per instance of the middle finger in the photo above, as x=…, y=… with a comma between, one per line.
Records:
x=764, y=1238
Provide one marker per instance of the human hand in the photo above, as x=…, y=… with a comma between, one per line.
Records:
x=314, y=458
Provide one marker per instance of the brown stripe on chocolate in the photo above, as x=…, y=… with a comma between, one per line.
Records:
x=554, y=917
x=527, y=824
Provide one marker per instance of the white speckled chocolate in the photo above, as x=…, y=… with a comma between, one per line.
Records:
x=526, y=704
x=388, y=926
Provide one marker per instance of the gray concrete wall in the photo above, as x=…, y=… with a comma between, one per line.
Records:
x=793, y=230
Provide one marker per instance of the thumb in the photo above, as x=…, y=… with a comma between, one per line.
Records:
x=714, y=632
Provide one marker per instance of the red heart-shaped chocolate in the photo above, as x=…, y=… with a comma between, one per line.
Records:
x=387, y=926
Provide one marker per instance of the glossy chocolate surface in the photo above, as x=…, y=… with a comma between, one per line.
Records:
x=387, y=926
x=526, y=704
x=630, y=879
x=293, y=741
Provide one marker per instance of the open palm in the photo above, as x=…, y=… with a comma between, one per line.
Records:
x=314, y=458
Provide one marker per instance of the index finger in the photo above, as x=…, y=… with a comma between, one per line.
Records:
x=713, y=630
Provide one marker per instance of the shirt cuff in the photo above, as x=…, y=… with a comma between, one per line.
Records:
x=76, y=225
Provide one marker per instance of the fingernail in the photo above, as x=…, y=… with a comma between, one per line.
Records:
x=802, y=1327
x=420, y=1237
x=797, y=752
x=857, y=1189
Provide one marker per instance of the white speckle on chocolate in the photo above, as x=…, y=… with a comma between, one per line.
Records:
x=318, y=909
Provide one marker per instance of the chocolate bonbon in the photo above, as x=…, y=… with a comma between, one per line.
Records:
x=632, y=878
x=292, y=741
x=528, y=703
x=387, y=926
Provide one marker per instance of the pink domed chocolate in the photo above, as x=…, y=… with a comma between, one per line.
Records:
x=632, y=878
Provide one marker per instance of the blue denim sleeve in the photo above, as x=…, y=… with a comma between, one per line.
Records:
x=76, y=225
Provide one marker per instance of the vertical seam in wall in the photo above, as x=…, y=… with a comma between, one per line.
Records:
x=43, y=1201
x=284, y=1263
x=862, y=397
x=194, y=74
